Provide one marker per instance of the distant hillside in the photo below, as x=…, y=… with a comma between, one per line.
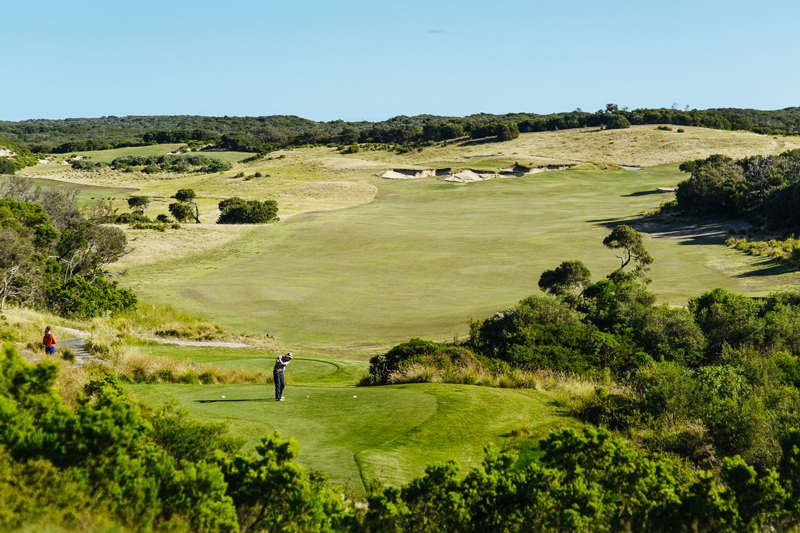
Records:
x=264, y=134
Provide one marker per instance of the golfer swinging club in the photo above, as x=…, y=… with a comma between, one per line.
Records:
x=277, y=374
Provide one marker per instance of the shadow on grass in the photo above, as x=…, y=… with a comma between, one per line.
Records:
x=642, y=193
x=688, y=232
x=769, y=267
x=242, y=400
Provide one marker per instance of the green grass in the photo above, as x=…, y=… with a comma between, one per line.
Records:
x=368, y=435
x=427, y=256
x=317, y=370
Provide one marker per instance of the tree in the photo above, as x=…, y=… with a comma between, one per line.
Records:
x=181, y=211
x=139, y=204
x=238, y=211
x=566, y=281
x=7, y=165
x=630, y=241
x=187, y=196
x=617, y=122
x=17, y=270
x=507, y=132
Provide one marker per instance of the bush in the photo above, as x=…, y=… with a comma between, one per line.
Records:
x=238, y=211
x=82, y=299
x=435, y=354
x=614, y=411
x=131, y=218
x=7, y=165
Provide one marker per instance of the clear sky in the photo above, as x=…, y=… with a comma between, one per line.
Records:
x=372, y=60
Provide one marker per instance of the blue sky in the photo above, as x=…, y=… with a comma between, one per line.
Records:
x=372, y=60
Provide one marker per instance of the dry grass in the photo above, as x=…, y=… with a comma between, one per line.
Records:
x=645, y=145
x=136, y=366
x=150, y=246
x=568, y=390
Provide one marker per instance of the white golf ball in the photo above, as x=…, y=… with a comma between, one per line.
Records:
x=222, y=396
x=355, y=396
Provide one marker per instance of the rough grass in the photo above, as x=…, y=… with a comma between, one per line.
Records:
x=323, y=179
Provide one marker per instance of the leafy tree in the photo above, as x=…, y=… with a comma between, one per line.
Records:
x=507, y=132
x=139, y=204
x=630, y=241
x=18, y=271
x=271, y=492
x=238, y=211
x=727, y=319
x=78, y=297
x=181, y=211
x=617, y=122
x=566, y=281
x=7, y=166
x=186, y=196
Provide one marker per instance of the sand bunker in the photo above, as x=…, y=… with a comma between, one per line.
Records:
x=537, y=169
x=410, y=174
x=468, y=175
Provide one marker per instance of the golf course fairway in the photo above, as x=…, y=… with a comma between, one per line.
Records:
x=426, y=256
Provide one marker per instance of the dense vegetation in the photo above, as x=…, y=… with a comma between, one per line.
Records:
x=764, y=190
x=238, y=211
x=55, y=256
x=111, y=464
x=263, y=134
x=718, y=379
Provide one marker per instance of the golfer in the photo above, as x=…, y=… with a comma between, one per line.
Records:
x=49, y=341
x=277, y=374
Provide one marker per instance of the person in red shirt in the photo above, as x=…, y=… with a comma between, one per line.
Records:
x=49, y=341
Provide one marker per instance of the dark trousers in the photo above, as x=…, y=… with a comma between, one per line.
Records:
x=279, y=384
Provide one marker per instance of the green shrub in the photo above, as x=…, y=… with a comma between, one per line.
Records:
x=238, y=211
x=67, y=355
x=80, y=298
x=614, y=411
x=433, y=354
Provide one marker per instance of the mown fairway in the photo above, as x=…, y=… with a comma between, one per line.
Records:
x=360, y=435
x=426, y=256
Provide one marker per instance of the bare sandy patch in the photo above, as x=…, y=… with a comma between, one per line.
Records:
x=5, y=152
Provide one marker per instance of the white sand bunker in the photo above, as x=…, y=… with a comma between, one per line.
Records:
x=469, y=175
x=537, y=169
x=410, y=174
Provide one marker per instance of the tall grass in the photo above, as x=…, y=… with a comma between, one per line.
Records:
x=569, y=390
x=786, y=250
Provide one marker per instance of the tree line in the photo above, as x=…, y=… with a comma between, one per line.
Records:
x=762, y=189
x=264, y=134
